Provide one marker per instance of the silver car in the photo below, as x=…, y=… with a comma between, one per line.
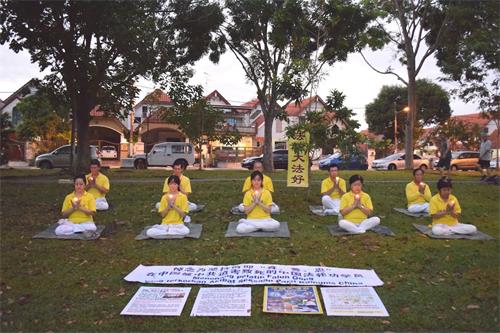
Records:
x=397, y=161
x=61, y=157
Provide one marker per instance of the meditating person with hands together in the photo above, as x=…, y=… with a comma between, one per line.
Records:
x=355, y=207
x=77, y=210
x=257, y=204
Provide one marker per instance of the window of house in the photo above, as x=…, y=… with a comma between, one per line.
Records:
x=144, y=111
x=16, y=117
x=231, y=121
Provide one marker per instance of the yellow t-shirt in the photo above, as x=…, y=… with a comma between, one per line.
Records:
x=258, y=213
x=173, y=217
x=413, y=195
x=437, y=204
x=87, y=201
x=185, y=185
x=101, y=180
x=327, y=184
x=267, y=183
x=356, y=215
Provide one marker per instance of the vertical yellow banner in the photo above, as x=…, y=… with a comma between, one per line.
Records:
x=298, y=163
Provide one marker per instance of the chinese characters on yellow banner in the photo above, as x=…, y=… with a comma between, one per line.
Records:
x=298, y=163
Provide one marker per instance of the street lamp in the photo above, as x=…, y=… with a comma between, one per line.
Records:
x=405, y=109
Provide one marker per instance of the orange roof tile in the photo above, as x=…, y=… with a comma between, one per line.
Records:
x=293, y=109
x=217, y=94
x=471, y=118
x=157, y=97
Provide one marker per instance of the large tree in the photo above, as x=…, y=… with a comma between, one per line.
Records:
x=470, y=53
x=282, y=46
x=96, y=50
x=404, y=25
x=433, y=107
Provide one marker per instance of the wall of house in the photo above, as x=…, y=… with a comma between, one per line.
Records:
x=9, y=108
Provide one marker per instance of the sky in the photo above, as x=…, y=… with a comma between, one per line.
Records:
x=353, y=77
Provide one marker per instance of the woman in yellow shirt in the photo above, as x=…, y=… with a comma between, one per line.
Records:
x=185, y=187
x=77, y=210
x=355, y=207
x=445, y=210
x=418, y=194
x=257, y=202
x=173, y=209
x=267, y=183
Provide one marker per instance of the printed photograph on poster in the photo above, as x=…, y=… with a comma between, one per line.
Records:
x=292, y=300
x=157, y=301
x=223, y=302
x=353, y=301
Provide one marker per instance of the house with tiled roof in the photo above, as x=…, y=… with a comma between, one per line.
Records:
x=153, y=129
x=18, y=150
x=296, y=113
x=108, y=130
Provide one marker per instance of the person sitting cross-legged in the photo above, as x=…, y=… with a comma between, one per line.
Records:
x=332, y=189
x=185, y=187
x=267, y=184
x=257, y=202
x=98, y=185
x=445, y=210
x=418, y=194
x=173, y=209
x=355, y=207
x=77, y=210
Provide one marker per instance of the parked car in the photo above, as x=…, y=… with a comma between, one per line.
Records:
x=463, y=160
x=397, y=161
x=166, y=154
x=355, y=163
x=280, y=160
x=109, y=152
x=61, y=157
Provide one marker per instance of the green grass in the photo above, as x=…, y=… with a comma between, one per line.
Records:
x=49, y=285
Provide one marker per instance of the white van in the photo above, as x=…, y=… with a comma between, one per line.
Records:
x=166, y=154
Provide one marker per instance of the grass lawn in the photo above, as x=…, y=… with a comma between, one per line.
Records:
x=51, y=285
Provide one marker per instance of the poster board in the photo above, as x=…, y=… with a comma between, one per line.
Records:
x=292, y=300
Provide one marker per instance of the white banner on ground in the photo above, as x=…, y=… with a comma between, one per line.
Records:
x=157, y=301
x=223, y=301
x=249, y=274
x=363, y=302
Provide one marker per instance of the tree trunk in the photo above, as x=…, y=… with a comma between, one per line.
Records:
x=200, y=149
x=73, y=132
x=412, y=116
x=267, y=160
x=82, y=127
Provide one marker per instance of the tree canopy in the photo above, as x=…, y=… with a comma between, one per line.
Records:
x=96, y=50
x=470, y=51
x=403, y=26
x=44, y=118
x=282, y=47
x=433, y=107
